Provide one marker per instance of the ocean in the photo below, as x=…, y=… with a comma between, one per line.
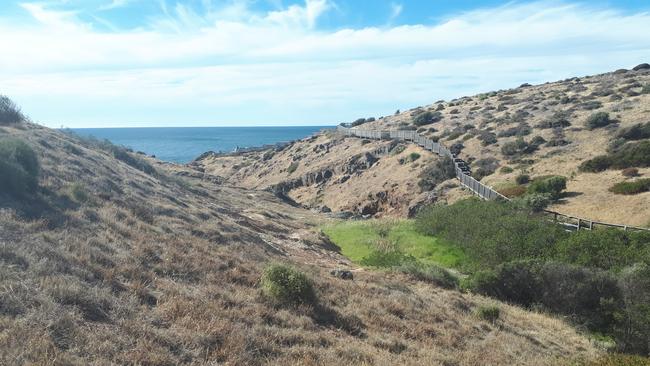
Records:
x=184, y=144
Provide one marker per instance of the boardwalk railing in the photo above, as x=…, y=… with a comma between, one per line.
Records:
x=476, y=187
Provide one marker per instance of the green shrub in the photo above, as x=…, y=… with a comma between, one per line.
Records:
x=19, y=167
x=637, y=132
x=520, y=130
x=629, y=188
x=607, y=249
x=426, y=118
x=506, y=170
x=414, y=156
x=598, y=120
x=489, y=313
x=9, y=112
x=429, y=273
x=522, y=179
x=553, y=186
x=386, y=259
x=633, y=331
x=589, y=297
x=513, y=148
x=557, y=120
x=438, y=172
x=537, y=202
x=633, y=154
x=286, y=285
x=358, y=122
x=487, y=138
x=490, y=232
x=292, y=167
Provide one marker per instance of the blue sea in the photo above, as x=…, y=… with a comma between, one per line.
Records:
x=184, y=144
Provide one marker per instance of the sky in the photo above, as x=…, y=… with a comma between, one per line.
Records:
x=151, y=63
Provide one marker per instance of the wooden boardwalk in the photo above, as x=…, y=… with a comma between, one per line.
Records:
x=466, y=180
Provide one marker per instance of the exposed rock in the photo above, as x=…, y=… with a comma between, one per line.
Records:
x=325, y=209
x=641, y=67
x=342, y=274
x=426, y=199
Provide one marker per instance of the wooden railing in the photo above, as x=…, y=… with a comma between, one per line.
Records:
x=483, y=191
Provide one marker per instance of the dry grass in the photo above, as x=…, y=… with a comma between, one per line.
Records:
x=152, y=271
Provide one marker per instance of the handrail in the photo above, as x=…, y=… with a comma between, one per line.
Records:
x=483, y=191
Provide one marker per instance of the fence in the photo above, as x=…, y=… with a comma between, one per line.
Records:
x=476, y=187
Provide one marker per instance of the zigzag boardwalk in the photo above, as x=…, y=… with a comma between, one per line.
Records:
x=463, y=174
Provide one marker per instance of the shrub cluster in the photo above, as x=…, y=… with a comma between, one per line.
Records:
x=520, y=146
x=487, y=138
x=9, y=112
x=426, y=118
x=557, y=120
x=429, y=273
x=627, y=156
x=600, y=279
x=438, y=172
x=551, y=186
x=286, y=285
x=292, y=167
x=639, y=131
x=598, y=120
x=19, y=167
x=629, y=188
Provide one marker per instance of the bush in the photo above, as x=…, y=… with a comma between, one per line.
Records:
x=358, y=122
x=79, y=193
x=9, y=112
x=520, y=130
x=485, y=167
x=19, y=167
x=607, y=249
x=286, y=285
x=414, y=156
x=630, y=172
x=426, y=118
x=386, y=259
x=490, y=232
x=645, y=89
x=292, y=167
x=438, y=172
x=557, y=120
x=630, y=155
x=629, y=188
x=553, y=186
x=489, y=313
x=429, y=273
x=636, y=132
x=633, y=331
x=598, y=120
x=506, y=170
x=487, y=138
x=537, y=202
x=513, y=148
x=522, y=179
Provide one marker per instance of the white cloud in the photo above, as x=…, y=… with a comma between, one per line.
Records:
x=233, y=65
x=395, y=11
x=115, y=4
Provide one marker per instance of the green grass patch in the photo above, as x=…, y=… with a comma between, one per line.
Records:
x=361, y=240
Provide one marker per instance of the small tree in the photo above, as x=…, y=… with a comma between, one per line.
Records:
x=286, y=285
x=426, y=118
x=9, y=112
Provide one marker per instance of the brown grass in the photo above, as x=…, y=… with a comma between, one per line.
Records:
x=151, y=271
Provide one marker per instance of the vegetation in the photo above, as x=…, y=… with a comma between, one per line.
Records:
x=19, y=167
x=551, y=186
x=557, y=120
x=426, y=118
x=506, y=170
x=598, y=120
x=292, y=167
x=630, y=172
x=635, y=154
x=414, y=156
x=635, y=187
x=639, y=131
x=520, y=146
x=438, y=172
x=593, y=277
x=489, y=313
x=286, y=285
x=9, y=112
x=522, y=179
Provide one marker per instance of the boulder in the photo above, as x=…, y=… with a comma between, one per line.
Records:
x=342, y=274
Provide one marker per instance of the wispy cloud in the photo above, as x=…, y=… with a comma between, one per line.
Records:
x=395, y=11
x=190, y=66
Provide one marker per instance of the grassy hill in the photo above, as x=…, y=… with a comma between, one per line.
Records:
x=111, y=257
x=550, y=129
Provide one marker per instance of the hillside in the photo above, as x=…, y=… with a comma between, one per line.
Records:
x=533, y=130
x=115, y=258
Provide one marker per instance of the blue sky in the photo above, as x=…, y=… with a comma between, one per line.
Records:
x=115, y=63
